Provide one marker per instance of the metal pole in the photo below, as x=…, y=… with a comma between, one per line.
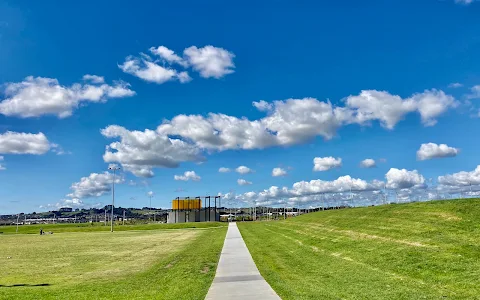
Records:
x=113, y=201
x=114, y=169
x=18, y=220
x=123, y=217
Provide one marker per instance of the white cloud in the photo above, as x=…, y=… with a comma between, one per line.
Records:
x=94, y=185
x=72, y=203
x=368, y=163
x=37, y=96
x=433, y=103
x=188, y=175
x=243, y=182
x=23, y=143
x=432, y=150
x=475, y=92
x=263, y=105
x=148, y=70
x=295, y=121
x=288, y=122
x=93, y=78
x=243, y=170
x=2, y=167
x=462, y=178
x=224, y=170
x=341, y=184
x=390, y=109
x=404, y=179
x=277, y=172
x=210, y=61
x=308, y=191
x=326, y=163
x=168, y=55
x=455, y=85
x=141, y=151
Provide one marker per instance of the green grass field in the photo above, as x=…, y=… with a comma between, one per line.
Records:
x=130, y=264
x=87, y=227
x=425, y=250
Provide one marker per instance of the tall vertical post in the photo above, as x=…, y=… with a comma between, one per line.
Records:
x=209, y=210
x=18, y=220
x=114, y=169
x=123, y=220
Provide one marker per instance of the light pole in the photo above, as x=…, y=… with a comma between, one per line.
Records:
x=114, y=169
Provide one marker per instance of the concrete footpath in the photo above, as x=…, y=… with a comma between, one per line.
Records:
x=237, y=275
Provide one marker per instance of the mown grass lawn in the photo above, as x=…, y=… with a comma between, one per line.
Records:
x=425, y=250
x=134, y=264
x=89, y=227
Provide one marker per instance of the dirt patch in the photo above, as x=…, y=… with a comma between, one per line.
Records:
x=205, y=270
x=170, y=264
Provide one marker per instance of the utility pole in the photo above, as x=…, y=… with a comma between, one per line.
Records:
x=18, y=220
x=105, y=220
x=113, y=168
x=123, y=220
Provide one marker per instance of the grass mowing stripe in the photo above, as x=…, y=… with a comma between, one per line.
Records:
x=431, y=253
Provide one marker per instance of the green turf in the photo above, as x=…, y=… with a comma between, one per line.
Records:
x=135, y=264
x=425, y=250
x=83, y=227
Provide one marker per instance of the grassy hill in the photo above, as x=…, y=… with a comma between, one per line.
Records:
x=427, y=250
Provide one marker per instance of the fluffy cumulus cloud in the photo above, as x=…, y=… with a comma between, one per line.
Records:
x=309, y=191
x=210, y=61
x=23, y=143
x=37, y=96
x=390, y=109
x=243, y=170
x=243, y=182
x=461, y=179
x=404, y=179
x=94, y=185
x=286, y=123
x=368, y=163
x=277, y=172
x=326, y=163
x=224, y=170
x=188, y=175
x=2, y=167
x=161, y=65
x=141, y=151
x=432, y=150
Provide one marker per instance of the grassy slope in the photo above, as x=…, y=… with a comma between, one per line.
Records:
x=153, y=264
x=84, y=227
x=411, y=251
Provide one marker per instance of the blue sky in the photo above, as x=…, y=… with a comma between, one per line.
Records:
x=405, y=55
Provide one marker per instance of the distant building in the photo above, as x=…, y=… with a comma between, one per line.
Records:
x=66, y=209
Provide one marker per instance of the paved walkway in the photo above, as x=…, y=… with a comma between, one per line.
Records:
x=237, y=275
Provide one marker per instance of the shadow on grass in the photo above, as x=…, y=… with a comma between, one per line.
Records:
x=25, y=285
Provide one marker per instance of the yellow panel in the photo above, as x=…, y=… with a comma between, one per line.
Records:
x=187, y=204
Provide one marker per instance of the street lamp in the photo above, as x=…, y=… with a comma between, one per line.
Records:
x=114, y=169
